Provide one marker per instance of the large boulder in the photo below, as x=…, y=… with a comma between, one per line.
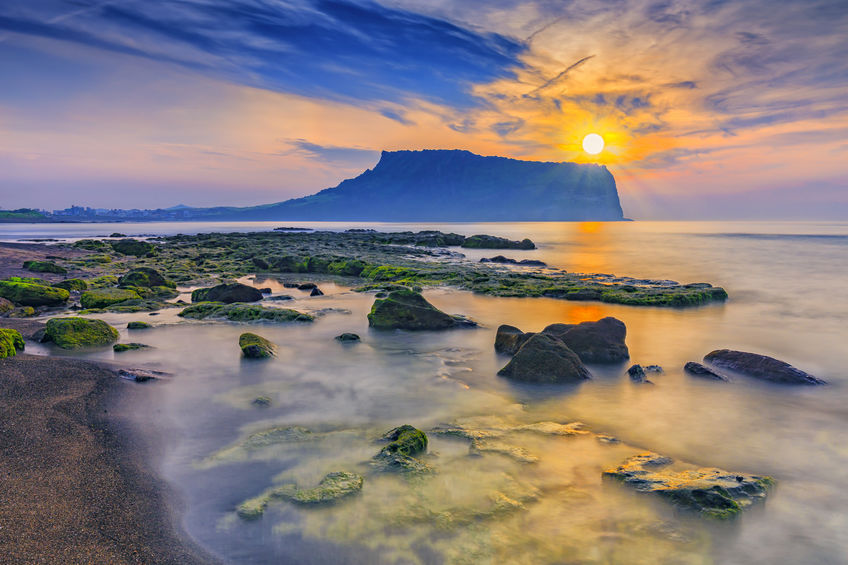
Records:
x=545, y=359
x=74, y=333
x=227, y=293
x=146, y=277
x=594, y=342
x=11, y=341
x=713, y=493
x=509, y=339
x=31, y=294
x=760, y=367
x=105, y=297
x=408, y=310
x=256, y=347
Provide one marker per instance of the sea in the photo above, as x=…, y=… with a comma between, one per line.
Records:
x=529, y=497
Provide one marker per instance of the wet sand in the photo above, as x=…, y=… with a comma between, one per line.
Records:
x=76, y=482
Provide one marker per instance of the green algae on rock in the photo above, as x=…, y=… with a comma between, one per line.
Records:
x=332, y=488
x=711, y=492
x=544, y=358
x=44, y=267
x=31, y=294
x=11, y=341
x=132, y=247
x=75, y=333
x=72, y=285
x=238, y=312
x=227, y=293
x=105, y=297
x=256, y=347
x=406, y=442
x=408, y=310
x=145, y=277
x=6, y=305
x=121, y=347
x=138, y=326
x=494, y=242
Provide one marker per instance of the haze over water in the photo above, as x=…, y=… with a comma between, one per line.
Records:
x=784, y=280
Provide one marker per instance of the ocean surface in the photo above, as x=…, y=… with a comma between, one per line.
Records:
x=538, y=498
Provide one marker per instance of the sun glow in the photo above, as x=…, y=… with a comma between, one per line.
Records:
x=593, y=144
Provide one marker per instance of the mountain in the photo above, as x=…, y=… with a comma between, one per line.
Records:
x=455, y=185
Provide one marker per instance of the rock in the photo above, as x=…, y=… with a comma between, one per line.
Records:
x=243, y=313
x=507, y=261
x=509, y=339
x=6, y=305
x=760, y=367
x=256, y=347
x=140, y=375
x=332, y=488
x=594, y=342
x=290, y=285
x=72, y=284
x=494, y=242
x=698, y=370
x=316, y=292
x=31, y=294
x=408, y=310
x=260, y=263
x=654, y=369
x=121, y=347
x=307, y=286
x=11, y=341
x=266, y=290
x=280, y=297
x=227, y=293
x=105, y=297
x=22, y=312
x=132, y=247
x=145, y=277
x=261, y=401
x=75, y=333
x=406, y=442
x=348, y=337
x=637, y=374
x=138, y=326
x=713, y=493
x=44, y=267
x=545, y=359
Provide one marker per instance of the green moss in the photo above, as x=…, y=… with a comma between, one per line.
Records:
x=44, y=267
x=386, y=272
x=332, y=488
x=493, y=242
x=99, y=259
x=138, y=326
x=11, y=341
x=75, y=333
x=408, y=310
x=351, y=267
x=104, y=297
x=91, y=244
x=132, y=247
x=72, y=284
x=405, y=440
x=256, y=347
x=28, y=294
x=240, y=312
x=121, y=347
x=145, y=277
x=103, y=281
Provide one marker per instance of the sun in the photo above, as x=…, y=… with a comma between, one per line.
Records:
x=593, y=144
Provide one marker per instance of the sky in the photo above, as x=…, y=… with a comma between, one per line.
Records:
x=710, y=109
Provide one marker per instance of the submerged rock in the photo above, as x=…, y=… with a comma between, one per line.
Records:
x=594, y=342
x=306, y=286
x=698, y=370
x=316, y=292
x=494, y=242
x=348, y=337
x=243, y=313
x=408, y=310
x=637, y=374
x=332, y=488
x=261, y=401
x=545, y=359
x=227, y=293
x=74, y=333
x=138, y=326
x=760, y=367
x=509, y=339
x=121, y=347
x=256, y=347
x=712, y=492
x=500, y=259
x=140, y=375
x=11, y=341
x=406, y=442
x=106, y=297
x=145, y=277
x=32, y=294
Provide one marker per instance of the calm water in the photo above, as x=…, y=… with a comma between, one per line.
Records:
x=787, y=300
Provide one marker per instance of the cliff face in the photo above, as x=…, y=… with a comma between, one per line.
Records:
x=453, y=185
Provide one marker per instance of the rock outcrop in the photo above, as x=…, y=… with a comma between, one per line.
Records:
x=32, y=294
x=545, y=359
x=408, y=310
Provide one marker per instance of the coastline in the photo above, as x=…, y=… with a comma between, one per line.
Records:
x=79, y=484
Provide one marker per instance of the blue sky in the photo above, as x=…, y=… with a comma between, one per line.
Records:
x=144, y=103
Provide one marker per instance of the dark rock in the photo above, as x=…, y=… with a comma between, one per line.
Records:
x=266, y=290
x=121, y=347
x=594, y=342
x=6, y=305
x=138, y=326
x=227, y=293
x=145, y=277
x=290, y=285
x=494, y=242
x=71, y=285
x=316, y=292
x=760, y=367
x=348, y=337
x=261, y=401
x=140, y=375
x=132, y=247
x=506, y=261
x=509, y=339
x=256, y=347
x=260, y=263
x=406, y=442
x=408, y=310
x=307, y=286
x=280, y=297
x=637, y=374
x=117, y=234
x=654, y=369
x=698, y=370
x=545, y=359
x=711, y=492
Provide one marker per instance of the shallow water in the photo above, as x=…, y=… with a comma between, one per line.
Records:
x=785, y=282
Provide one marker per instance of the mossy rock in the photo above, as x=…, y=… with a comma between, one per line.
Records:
x=30, y=294
x=227, y=293
x=243, y=313
x=75, y=333
x=22, y=312
x=121, y=347
x=72, y=284
x=544, y=358
x=332, y=488
x=494, y=242
x=408, y=310
x=348, y=337
x=256, y=347
x=6, y=305
x=91, y=244
x=103, y=281
x=99, y=259
x=406, y=442
x=104, y=297
x=44, y=267
x=11, y=341
x=138, y=326
x=132, y=247
x=145, y=277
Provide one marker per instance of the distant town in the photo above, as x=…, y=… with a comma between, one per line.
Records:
x=87, y=214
